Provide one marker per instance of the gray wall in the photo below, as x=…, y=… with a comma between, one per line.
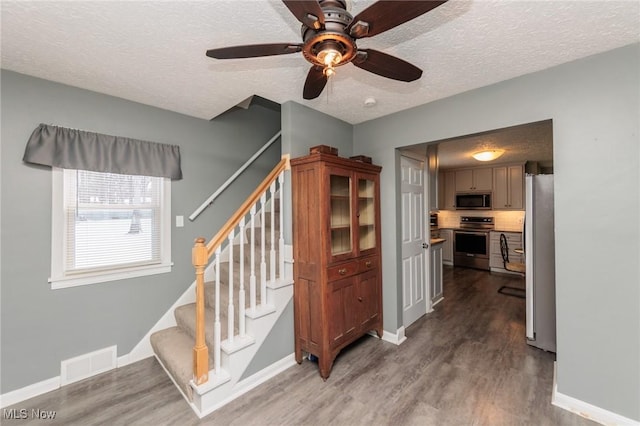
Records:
x=595, y=105
x=40, y=326
x=277, y=345
x=302, y=128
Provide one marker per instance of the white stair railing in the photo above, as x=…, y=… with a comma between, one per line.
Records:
x=273, y=184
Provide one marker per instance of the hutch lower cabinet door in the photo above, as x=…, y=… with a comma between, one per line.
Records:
x=336, y=246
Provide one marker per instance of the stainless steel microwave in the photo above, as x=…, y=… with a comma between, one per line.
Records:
x=473, y=201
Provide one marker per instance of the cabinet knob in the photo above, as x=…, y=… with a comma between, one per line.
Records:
x=342, y=271
x=359, y=299
x=368, y=264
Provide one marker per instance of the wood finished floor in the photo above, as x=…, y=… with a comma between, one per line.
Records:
x=466, y=363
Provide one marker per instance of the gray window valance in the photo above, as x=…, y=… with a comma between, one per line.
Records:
x=78, y=149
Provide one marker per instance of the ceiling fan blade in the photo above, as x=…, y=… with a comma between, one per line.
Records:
x=386, y=65
x=314, y=85
x=384, y=15
x=254, y=50
x=308, y=12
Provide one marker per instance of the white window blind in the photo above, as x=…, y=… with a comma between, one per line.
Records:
x=109, y=224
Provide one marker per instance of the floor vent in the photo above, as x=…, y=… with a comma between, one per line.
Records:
x=87, y=365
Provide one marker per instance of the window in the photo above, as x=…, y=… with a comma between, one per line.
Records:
x=108, y=226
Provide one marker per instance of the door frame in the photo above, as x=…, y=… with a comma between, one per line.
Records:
x=426, y=229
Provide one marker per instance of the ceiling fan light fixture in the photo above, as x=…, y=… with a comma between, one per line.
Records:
x=488, y=154
x=330, y=57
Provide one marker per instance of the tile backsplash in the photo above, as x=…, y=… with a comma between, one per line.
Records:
x=504, y=220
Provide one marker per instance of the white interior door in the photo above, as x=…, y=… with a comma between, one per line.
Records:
x=414, y=255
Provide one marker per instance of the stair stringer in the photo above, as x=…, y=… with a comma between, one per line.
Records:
x=207, y=400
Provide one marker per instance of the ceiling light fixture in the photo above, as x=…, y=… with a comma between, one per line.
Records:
x=488, y=154
x=330, y=56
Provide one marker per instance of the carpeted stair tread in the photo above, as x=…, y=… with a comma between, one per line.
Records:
x=209, y=293
x=256, y=253
x=174, y=347
x=186, y=319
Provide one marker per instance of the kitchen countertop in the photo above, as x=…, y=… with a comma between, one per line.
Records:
x=435, y=241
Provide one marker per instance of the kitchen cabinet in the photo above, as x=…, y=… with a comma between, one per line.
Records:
x=447, y=190
x=436, y=273
x=480, y=179
x=514, y=241
x=336, y=241
x=508, y=187
x=447, y=246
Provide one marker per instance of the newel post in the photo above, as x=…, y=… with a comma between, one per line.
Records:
x=200, y=350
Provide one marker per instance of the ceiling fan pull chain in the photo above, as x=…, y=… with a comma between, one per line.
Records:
x=330, y=88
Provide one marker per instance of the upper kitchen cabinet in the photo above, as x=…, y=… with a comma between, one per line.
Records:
x=447, y=190
x=480, y=179
x=508, y=187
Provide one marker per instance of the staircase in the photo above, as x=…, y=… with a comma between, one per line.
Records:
x=247, y=287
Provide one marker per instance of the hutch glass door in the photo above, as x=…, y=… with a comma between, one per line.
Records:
x=366, y=214
x=340, y=193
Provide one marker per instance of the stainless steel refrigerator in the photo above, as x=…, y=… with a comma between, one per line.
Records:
x=539, y=247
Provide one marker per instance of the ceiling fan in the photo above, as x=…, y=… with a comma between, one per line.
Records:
x=329, y=35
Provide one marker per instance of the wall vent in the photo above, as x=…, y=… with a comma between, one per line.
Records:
x=87, y=365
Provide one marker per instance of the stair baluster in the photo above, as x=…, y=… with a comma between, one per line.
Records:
x=241, y=296
x=216, y=325
x=272, y=257
x=281, y=240
x=231, y=314
x=263, y=263
x=252, y=278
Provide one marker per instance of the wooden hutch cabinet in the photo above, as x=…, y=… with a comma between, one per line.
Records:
x=336, y=246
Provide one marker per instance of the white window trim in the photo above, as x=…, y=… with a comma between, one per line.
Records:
x=58, y=277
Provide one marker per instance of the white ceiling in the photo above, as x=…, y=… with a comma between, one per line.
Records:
x=153, y=52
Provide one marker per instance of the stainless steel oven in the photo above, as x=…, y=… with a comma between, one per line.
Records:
x=471, y=242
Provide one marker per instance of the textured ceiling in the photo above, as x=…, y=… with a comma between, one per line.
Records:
x=154, y=52
x=527, y=142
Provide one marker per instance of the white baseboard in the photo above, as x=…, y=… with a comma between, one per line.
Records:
x=397, y=339
x=586, y=410
x=57, y=382
x=30, y=391
x=251, y=382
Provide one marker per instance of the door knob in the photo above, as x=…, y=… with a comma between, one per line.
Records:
x=425, y=245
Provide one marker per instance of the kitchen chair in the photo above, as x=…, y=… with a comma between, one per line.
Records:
x=510, y=266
